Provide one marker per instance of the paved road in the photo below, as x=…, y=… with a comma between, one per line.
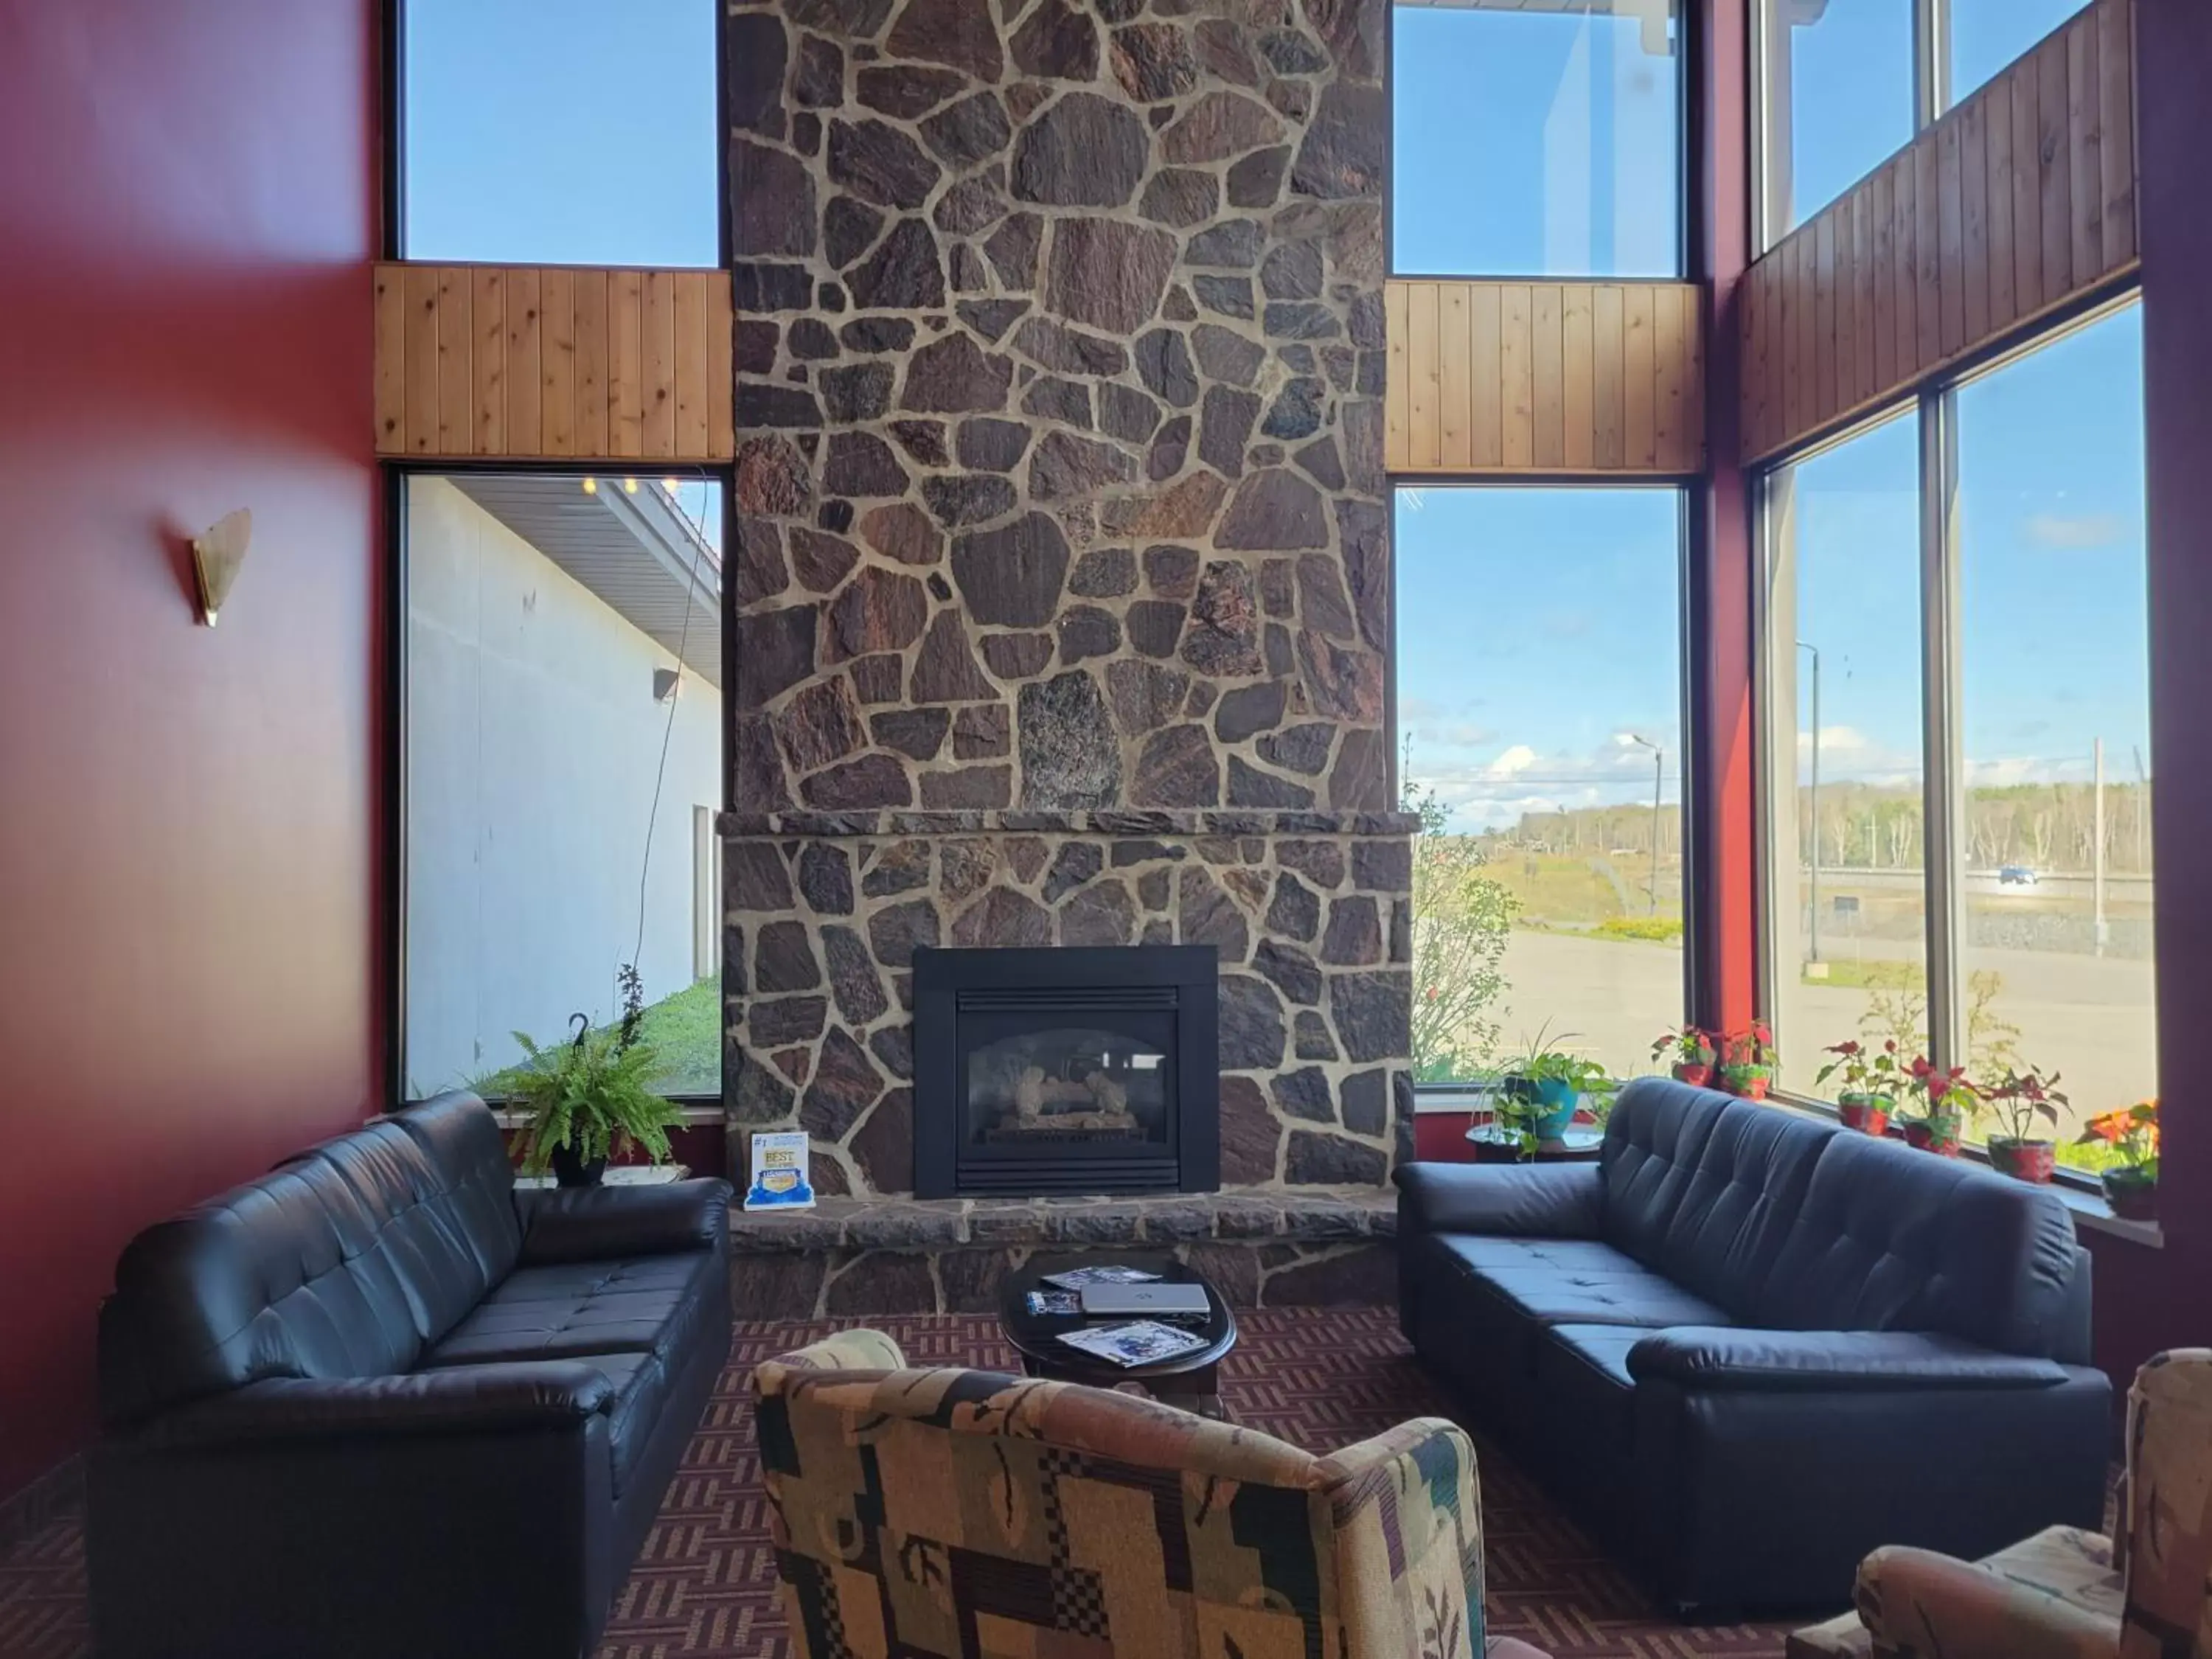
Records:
x=2089, y=1017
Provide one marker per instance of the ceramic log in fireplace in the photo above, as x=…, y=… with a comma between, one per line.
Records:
x=1070, y=1071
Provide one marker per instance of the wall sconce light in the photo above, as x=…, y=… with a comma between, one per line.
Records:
x=217, y=556
x=664, y=683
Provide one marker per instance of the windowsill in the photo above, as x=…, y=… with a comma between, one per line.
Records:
x=2090, y=1211
x=693, y=1116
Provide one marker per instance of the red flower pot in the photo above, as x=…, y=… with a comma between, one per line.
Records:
x=1868, y=1114
x=1701, y=1076
x=1745, y=1082
x=1921, y=1136
x=2024, y=1160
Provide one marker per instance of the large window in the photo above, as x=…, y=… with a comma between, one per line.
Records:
x=568, y=131
x=1959, y=850
x=1839, y=99
x=1543, y=142
x=563, y=756
x=1847, y=891
x=2053, y=862
x=1538, y=687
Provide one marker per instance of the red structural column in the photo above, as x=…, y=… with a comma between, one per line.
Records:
x=1724, y=958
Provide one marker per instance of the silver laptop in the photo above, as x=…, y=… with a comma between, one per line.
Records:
x=1144, y=1299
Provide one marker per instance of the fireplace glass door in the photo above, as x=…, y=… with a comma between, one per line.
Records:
x=1068, y=1085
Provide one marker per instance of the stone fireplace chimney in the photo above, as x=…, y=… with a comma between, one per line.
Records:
x=1060, y=578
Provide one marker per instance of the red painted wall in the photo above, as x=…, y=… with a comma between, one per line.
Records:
x=188, y=816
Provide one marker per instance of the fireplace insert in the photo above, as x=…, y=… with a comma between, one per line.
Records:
x=1066, y=1072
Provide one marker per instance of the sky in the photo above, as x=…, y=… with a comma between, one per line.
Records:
x=627, y=176
x=1537, y=625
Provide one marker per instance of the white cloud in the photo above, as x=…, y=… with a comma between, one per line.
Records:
x=2075, y=532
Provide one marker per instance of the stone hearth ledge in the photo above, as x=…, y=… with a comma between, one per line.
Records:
x=1303, y=1214
x=738, y=825
x=852, y=1257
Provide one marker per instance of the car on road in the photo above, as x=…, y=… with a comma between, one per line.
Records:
x=2017, y=875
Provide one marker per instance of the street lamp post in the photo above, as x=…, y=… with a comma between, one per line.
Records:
x=1812, y=929
x=1658, y=782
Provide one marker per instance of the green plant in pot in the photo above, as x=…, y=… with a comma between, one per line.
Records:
x=1748, y=1062
x=2022, y=1103
x=2131, y=1135
x=1943, y=1102
x=1692, y=1054
x=588, y=1099
x=1871, y=1077
x=1541, y=1092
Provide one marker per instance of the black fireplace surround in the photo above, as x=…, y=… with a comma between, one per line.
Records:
x=1075, y=1072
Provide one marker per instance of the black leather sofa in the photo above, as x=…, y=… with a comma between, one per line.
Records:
x=1747, y=1347
x=379, y=1403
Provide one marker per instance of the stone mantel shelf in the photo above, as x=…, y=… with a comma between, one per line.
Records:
x=1303, y=1215
x=1099, y=823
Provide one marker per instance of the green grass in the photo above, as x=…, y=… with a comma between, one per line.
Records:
x=1855, y=974
x=686, y=1028
x=1658, y=930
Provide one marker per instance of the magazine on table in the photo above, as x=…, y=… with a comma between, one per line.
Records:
x=1145, y=1342
x=1074, y=1278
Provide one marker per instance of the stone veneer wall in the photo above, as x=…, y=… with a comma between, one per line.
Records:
x=1061, y=573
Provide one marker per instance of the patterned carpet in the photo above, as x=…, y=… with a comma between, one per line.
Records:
x=705, y=1586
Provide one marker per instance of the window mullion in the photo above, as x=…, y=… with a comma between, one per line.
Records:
x=1931, y=61
x=1943, y=808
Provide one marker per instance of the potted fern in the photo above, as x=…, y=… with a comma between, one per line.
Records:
x=590, y=1098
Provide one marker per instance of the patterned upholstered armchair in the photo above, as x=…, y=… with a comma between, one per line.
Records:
x=971, y=1514
x=2066, y=1594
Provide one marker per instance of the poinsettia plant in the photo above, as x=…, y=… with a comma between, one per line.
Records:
x=1947, y=1099
x=2021, y=1100
x=1866, y=1070
x=1690, y=1045
x=1752, y=1047
x=2131, y=1133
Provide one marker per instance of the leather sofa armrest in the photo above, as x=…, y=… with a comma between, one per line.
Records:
x=598, y=1224
x=1709, y=1358
x=1543, y=1200
x=555, y=1393
x=1913, y=1601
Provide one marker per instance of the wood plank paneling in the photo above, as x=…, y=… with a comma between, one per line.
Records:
x=1454, y=364
x=456, y=385
x=488, y=363
x=1517, y=374
x=1534, y=380
x=1423, y=417
x=2018, y=202
x=1548, y=347
x=690, y=365
x=391, y=393
x=495, y=361
x=525, y=379
x=1487, y=383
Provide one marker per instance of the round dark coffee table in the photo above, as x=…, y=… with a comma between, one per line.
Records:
x=1191, y=1381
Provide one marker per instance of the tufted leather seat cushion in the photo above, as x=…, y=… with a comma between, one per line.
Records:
x=573, y=1310
x=1599, y=1289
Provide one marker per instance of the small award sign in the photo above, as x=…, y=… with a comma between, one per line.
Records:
x=778, y=1179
